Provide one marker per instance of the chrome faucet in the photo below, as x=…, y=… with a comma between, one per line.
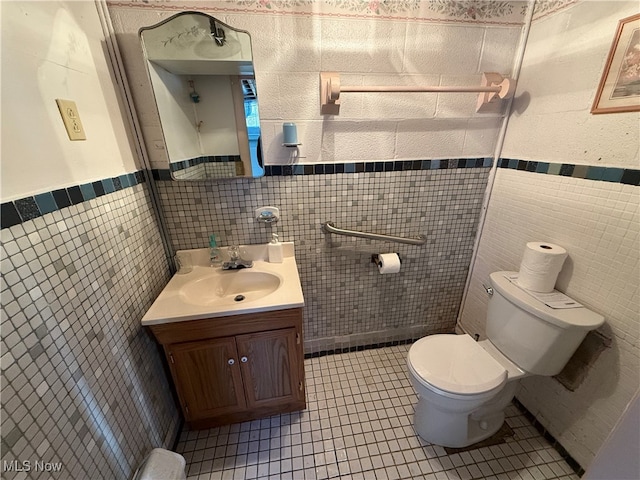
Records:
x=235, y=262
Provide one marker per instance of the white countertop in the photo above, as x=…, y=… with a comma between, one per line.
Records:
x=173, y=306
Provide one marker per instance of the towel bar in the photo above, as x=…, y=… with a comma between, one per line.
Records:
x=493, y=88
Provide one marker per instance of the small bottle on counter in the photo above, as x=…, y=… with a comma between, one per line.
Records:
x=274, y=250
x=215, y=257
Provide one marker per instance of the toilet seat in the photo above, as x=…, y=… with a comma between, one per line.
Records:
x=455, y=364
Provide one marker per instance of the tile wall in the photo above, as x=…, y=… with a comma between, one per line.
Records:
x=348, y=302
x=598, y=223
x=573, y=200
x=351, y=168
x=82, y=383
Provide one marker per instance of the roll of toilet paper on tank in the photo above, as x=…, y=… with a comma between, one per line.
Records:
x=541, y=263
x=388, y=263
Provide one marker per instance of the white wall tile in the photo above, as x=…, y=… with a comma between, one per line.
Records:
x=572, y=137
x=268, y=88
x=598, y=223
x=350, y=141
x=442, y=49
x=480, y=137
x=499, y=49
x=362, y=45
x=299, y=96
x=284, y=44
x=430, y=138
x=86, y=394
x=291, y=50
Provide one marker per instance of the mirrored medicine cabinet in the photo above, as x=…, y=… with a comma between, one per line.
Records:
x=203, y=82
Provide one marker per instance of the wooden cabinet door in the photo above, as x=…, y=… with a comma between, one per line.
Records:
x=269, y=362
x=208, y=378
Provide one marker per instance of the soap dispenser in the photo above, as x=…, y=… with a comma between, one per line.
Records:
x=275, y=250
x=215, y=258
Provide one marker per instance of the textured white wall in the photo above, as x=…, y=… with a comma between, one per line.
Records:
x=563, y=63
x=290, y=51
x=217, y=113
x=597, y=222
x=54, y=50
x=174, y=104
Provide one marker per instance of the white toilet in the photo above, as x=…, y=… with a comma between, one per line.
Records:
x=464, y=386
x=161, y=464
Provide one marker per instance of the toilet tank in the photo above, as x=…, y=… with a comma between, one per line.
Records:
x=537, y=338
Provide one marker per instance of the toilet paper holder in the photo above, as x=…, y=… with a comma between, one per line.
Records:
x=376, y=259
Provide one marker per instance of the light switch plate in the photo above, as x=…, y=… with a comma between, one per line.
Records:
x=71, y=119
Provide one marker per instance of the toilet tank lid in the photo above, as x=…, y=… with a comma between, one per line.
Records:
x=456, y=364
x=581, y=318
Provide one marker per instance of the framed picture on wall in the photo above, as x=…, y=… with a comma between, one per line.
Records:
x=619, y=88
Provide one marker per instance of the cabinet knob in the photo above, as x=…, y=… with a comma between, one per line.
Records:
x=244, y=359
x=231, y=361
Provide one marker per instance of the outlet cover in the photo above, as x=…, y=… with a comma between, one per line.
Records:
x=71, y=119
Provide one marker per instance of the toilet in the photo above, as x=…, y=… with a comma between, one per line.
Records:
x=464, y=386
x=161, y=464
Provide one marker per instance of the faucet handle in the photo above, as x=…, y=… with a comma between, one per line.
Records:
x=234, y=252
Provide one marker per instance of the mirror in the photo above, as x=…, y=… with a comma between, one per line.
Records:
x=203, y=81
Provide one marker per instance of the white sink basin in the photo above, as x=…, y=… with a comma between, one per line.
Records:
x=229, y=287
x=207, y=292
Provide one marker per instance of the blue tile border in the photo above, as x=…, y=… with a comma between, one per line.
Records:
x=28, y=208
x=192, y=162
x=357, y=167
x=375, y=167
x=627, y=176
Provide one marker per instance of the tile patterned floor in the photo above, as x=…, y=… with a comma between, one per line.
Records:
x=358, y=425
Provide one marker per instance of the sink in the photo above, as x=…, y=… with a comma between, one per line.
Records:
x=210, y=292
x=229, y=287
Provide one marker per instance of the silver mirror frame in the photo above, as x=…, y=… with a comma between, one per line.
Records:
x=244, y=165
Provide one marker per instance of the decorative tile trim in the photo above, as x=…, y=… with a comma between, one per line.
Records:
x=550, y=438
x=496, y=12
x=626, y=176
x=359, y=348
x=28, y=208
x=544, y=9
x=192, y=162
x=360, y=167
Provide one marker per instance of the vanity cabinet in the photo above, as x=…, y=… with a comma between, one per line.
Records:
x=236, y=368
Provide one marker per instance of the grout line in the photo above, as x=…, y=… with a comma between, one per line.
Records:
x=550, y=438
x=358, y=425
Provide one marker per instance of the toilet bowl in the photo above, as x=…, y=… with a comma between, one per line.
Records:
x=464, y=386
x=462, y=389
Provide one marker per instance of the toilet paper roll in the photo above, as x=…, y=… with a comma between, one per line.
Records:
x=388, y=263
x=541, y=263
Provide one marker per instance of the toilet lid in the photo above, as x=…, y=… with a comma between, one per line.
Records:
x=456, y=364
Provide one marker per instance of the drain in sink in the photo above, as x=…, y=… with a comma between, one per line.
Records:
x=239, y=298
